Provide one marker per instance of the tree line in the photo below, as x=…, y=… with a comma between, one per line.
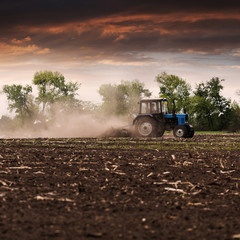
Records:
x=208, y=109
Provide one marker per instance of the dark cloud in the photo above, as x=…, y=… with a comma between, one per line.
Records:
x=117, y=28
x=213, y=36
x=58, y=11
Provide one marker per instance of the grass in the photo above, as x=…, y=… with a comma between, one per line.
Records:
x=212, y=132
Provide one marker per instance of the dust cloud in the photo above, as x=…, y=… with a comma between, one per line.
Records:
x=65, y=120
x=72, y=125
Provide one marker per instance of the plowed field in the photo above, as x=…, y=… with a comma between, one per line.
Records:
x=120, y=188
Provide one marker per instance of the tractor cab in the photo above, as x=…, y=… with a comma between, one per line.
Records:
x=154, y=118
x=154, y=106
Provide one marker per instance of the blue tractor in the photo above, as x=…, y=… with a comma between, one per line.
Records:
x=154, y=119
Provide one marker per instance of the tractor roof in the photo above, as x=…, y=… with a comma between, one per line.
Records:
x=154, y=99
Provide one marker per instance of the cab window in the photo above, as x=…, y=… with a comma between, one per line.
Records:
x=144, y=108
x=154, y=107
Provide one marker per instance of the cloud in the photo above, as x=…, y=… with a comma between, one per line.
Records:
x=108, y=31
x=236, y=66
x=236, y=52
x=211, y=33
x=58, y=11
x=42, y=51
x=17, y=49
x=20, y=41
x=190, y=51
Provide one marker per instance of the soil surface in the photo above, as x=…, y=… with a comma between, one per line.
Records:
x=120, y=188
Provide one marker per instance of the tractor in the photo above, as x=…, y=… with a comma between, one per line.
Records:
x=154, y=119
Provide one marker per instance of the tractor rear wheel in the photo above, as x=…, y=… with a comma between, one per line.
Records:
x=180, y=131
x=146, y=127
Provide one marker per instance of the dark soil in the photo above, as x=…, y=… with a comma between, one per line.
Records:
x=120, y=188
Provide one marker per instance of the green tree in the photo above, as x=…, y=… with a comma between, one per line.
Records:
x=211, y=109
x=20, y=100
x=122, y=99
x=175, y=90
x=53, y=88
x=234, y=124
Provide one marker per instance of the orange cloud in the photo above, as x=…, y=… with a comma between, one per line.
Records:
x=20, y=50
x=20, y=41
x=42, y=51
x=120, y=26
x=191, y=31
x=191, y=51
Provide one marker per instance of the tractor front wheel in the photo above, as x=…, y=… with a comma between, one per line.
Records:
x=146, y=127
x=190, y=132
x=180, y=131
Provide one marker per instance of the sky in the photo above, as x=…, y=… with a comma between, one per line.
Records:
x=94, y=42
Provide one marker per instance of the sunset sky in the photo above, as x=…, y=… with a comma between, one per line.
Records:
x=95, y=42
